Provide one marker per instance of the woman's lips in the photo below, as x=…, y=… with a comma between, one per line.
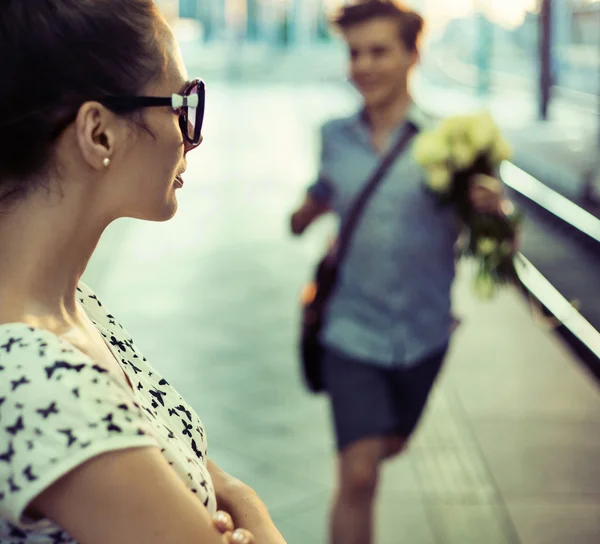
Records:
x=179, y=181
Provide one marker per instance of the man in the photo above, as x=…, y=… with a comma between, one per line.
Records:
x=389, y=320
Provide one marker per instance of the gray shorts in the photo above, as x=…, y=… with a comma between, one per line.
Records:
x=369, y=400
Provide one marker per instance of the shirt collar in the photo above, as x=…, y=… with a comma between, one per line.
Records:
x=418, y=117
x=415, y=115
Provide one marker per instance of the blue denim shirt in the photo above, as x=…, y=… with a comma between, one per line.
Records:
x=391, y=305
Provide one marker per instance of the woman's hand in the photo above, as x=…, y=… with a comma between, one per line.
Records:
x=244, y=506
x=224, y=523
x=228, y=489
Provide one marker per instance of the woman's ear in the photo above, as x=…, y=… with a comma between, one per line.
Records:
x=96, y=133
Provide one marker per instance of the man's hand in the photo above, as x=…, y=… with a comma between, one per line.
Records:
x=306, y=214
x=486, y=195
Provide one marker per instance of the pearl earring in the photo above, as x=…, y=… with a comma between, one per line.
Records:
x=106, y=162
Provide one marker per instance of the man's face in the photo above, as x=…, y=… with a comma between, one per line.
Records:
x=379, y=61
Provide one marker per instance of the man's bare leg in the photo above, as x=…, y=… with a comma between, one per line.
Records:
x=353, y=508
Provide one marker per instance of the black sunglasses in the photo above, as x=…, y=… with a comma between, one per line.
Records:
x=189, y=103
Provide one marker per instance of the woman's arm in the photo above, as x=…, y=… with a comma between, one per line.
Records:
x=127, y=497
x=244, y=506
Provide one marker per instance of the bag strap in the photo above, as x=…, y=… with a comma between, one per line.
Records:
x=360, y=202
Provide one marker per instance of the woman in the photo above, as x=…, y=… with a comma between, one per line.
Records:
x=96, y=119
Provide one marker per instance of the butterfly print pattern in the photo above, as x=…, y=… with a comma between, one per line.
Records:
x=58, y=409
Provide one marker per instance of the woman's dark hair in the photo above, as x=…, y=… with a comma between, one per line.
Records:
x=54, y=56
x=410, y=23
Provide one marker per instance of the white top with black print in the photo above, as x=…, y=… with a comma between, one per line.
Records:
x=58, y=409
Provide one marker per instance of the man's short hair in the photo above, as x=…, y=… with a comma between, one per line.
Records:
x=410, y=23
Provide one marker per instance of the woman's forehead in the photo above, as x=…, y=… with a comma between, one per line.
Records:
x=175, y=74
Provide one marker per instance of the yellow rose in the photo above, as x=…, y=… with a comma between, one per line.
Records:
x=486, y=246
x=462, y=154
x=430, y=148
x=455, y=127
x=501, y=150
x=484, y=287
x=482, y=131
x=439, y=179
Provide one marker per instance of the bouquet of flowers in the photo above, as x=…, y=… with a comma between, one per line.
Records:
x=461, y=153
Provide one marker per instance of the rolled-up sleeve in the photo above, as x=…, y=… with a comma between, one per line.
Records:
x=321, y=191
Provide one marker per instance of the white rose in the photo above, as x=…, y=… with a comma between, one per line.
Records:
x=501, y=150
x=482, y=131
x=431, y=148
x=439, y=179
x=484, y=287
x=486, y=246
x=462, y=154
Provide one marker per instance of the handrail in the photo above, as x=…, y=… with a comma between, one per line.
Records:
x=530, y=277
x=537, y=284
x=550, y=200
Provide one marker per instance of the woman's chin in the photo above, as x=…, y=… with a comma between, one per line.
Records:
x=160, y=214
x=170, y=210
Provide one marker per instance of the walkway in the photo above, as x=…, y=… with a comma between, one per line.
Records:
x=508, y=451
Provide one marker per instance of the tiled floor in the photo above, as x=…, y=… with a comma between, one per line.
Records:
x=508, y=450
